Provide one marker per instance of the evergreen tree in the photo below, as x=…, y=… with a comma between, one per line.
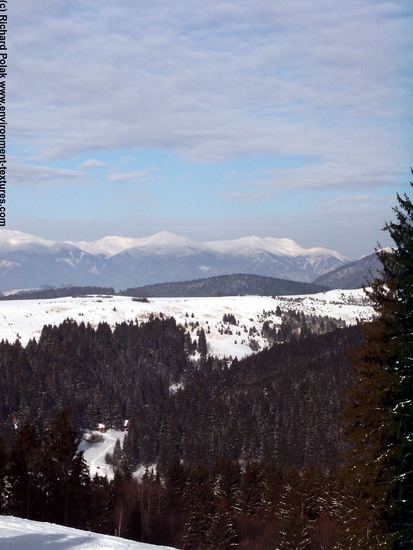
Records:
x=100, y=505
x=175, y=482
x=252, y=488
x=3, y=466
x=202, y=345
x=378, y=414
x=201, y=508
x=65, y=472
x=222, y=534
x=23, y=472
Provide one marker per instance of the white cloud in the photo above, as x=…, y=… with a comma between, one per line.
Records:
x=325, y=82
x=22, y=174
x=92, y=163
x=130, y=176
x=213, y=81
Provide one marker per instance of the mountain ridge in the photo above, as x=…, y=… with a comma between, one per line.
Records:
x=27, y=261
x=237, y=284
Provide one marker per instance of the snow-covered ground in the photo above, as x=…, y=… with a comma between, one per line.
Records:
x=24, y=319
x=95, y=452
x=22, y=534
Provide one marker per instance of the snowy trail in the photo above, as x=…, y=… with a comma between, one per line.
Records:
x=94, y=453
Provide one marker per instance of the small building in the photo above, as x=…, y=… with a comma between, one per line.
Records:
x=125, y=424
x=102, y=428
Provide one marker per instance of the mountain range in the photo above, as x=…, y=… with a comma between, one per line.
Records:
x=27, y=261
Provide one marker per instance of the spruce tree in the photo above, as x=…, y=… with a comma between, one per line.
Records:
x=65, y=472
x=3, y=466
x=399, y=269
x=378, y=413
x=23, y=472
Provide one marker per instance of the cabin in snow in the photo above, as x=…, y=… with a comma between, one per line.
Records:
x=102, y=428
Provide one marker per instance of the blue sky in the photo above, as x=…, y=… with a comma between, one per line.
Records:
x=213, y=120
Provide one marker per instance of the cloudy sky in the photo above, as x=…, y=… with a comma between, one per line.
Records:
x=213, y=120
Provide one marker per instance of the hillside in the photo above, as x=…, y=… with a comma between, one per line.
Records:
x=24, y=319
x=226, y=285
x=352, y=275
x=224, y=435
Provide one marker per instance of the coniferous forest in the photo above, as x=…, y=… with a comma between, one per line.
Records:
x=306, y=445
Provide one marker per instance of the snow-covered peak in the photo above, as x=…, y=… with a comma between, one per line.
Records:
x=317, y=251
x=165, y=242
x=17, y=239
x=108, y=246
x=246, y=246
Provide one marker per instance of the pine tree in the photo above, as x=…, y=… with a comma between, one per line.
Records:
x=23, y=472
x=222, y=534
x=3, y=466
x=100, y=505
x=202, y=345
x=378, y=413
x=252, y=488
x=65, y=471
x=295, y=534
x=201, y=508
x=399, y=281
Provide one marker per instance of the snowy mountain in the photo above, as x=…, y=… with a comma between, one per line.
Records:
x=27, y=261
x=17, y=533
x=352, y=275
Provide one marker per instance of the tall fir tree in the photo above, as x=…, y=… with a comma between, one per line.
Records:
x=65, y=473
x=23, y=473
x=3, y=467
x=378, y=412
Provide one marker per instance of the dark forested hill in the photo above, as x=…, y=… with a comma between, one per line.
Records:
x=50, y=293
x=281, y=404
x=226, y=285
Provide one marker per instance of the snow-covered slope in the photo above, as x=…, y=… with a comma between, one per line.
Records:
x=24, y=319
x=108, y=246
x=27, y=261
x=23, y=534
x=95, y=446
x=278, y=247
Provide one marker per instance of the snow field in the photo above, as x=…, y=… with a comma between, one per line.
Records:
x=24, y=319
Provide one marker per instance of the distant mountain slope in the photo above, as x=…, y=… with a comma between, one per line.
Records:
x=352, y=275
x=27, y=261
x=226, y=285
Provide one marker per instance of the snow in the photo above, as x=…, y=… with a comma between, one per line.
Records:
x=16, y=239
x=279, y=247
x=108, y=246
x=94, y=453
x=161, y=243
x=165, y=242
x=24, y=319
x=19, y=534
